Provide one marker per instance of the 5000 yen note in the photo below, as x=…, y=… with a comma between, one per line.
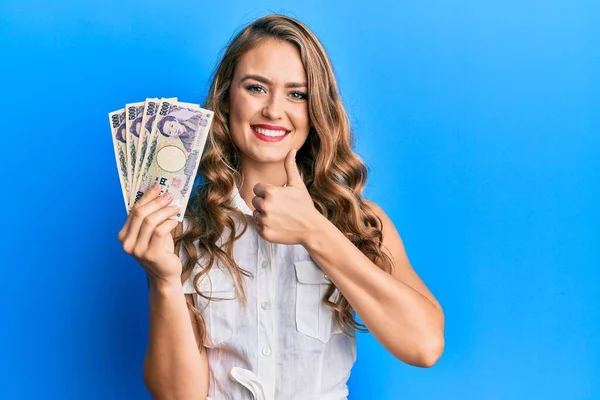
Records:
x=147, y=143
x=133, y=121
x=179, y=137
x=149, y=113
x=118, y=128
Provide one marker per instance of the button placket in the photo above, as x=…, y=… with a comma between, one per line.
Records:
x=265, y=317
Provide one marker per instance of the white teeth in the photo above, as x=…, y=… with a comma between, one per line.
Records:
x=269, y=132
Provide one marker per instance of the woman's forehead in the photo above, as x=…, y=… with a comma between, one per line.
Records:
x=278, y=61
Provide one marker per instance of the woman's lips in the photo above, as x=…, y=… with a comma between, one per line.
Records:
x=269, y=138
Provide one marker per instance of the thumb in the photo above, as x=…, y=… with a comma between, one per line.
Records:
x=291, y=169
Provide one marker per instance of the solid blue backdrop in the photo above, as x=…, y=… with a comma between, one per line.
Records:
x=480, y=123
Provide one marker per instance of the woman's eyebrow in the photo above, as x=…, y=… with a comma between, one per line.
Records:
x=266, y=81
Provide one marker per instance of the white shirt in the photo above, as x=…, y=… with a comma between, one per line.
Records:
x=285, y=344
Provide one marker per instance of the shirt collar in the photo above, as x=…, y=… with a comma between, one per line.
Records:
x=238, y=202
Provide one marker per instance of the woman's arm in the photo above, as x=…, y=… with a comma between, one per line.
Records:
x=175, y=366
x=397, y=309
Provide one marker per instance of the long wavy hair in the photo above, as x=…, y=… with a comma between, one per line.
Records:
x=334, y=175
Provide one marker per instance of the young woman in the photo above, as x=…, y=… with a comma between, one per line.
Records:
x=279, y=251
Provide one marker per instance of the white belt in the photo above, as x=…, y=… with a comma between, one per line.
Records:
x=250, y=381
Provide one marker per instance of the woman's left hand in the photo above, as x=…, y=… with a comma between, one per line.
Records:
x=285, y=214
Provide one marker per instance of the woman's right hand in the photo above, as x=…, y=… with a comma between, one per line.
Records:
x=146, y=235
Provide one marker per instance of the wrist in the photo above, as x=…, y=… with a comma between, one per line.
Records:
x=164, y=285
x=318, y=225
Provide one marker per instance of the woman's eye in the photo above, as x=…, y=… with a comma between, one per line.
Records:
x=255, y=88
x=260, y=89
x=299, y=95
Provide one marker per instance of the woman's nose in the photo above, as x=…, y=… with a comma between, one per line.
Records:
x=274, y=109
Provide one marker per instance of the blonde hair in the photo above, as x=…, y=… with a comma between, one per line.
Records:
x=334, y=175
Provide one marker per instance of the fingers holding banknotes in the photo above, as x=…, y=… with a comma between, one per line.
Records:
x=146, y=235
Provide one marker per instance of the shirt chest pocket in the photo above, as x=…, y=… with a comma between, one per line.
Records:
x=220, y=313
x=313, y=318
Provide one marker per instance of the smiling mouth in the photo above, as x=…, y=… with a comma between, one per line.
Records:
x=269, y=135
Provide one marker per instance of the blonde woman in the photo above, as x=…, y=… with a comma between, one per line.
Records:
x=255, y=295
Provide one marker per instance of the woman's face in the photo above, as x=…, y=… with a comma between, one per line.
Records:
x=173, y=129
x=268, y=102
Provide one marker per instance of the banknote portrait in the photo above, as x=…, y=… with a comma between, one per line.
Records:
x=136, y=126
x=120, y=135
x=181, y=124
x=149, y=123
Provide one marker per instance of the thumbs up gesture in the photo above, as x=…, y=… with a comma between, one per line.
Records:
x=285, y=214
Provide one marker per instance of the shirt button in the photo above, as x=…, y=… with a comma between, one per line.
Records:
x=266, y=305
x=266, y=351
x=265, y=264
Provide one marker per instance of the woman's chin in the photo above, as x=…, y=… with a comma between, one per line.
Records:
x=268, y=157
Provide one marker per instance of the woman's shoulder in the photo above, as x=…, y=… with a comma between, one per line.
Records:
x=375, y=208
x=386, y=222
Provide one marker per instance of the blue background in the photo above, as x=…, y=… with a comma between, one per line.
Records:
x=479, y=120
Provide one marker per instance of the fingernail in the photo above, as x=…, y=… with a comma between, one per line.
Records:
x=155, y=186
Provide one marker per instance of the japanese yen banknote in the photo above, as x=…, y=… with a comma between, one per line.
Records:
x=159, y=141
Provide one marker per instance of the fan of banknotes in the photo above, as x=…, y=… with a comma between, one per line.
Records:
x=159, y=141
